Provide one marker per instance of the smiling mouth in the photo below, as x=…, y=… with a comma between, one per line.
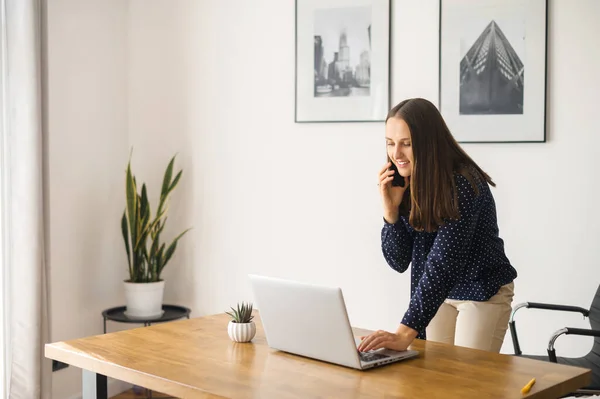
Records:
x=402, y=163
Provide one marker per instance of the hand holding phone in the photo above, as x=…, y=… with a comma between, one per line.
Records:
x=398, y=179
x=392, y=193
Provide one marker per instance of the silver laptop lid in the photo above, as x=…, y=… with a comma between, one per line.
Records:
x=305, y=319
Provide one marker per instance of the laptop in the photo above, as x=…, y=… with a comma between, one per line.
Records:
x=311, y=321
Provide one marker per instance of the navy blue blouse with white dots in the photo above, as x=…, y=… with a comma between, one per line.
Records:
x=464, y=259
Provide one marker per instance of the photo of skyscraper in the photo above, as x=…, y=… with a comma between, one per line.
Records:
x=342, y=54
x=491, y=75
x=493, y=61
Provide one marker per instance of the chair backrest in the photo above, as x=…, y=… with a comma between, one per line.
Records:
x=594, y=355
x=595, y=312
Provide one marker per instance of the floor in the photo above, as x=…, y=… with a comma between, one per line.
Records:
x=131, y=394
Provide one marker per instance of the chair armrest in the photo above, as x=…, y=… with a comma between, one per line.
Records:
x=568, y=331
x=538, y=305
x=549, y=306
x=563, y=308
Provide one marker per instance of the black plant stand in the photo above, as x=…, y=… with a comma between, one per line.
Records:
x=171, y=312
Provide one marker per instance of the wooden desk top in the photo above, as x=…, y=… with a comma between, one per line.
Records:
x=196, y=359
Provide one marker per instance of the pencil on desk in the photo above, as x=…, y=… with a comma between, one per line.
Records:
x=527, y=387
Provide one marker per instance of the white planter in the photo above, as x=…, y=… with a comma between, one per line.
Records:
x=144, y=300
x=241, y=332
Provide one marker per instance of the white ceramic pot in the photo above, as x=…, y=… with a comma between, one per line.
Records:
x=241, y=332
x=144, y=300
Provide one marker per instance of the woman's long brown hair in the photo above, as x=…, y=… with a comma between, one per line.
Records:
x=437, y=156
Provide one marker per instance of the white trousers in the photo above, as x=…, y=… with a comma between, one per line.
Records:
x=473, y=324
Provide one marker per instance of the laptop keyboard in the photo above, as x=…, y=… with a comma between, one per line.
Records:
x=370, y=356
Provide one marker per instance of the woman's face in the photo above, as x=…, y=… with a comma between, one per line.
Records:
x=399, y=145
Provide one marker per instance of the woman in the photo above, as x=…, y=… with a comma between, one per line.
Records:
x=443, y=220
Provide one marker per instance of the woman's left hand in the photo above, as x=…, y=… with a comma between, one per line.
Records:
x=399, y=341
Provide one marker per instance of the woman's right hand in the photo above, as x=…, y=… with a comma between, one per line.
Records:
x=390, y=195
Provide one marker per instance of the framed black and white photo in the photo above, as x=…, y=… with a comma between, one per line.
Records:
x=493, y=69
x=342, y=60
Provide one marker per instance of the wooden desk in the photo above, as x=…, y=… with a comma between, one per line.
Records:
x=196, y=359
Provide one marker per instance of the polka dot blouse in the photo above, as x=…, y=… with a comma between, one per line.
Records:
x=463, y=260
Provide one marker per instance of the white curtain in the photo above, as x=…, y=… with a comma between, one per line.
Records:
x=28, y=327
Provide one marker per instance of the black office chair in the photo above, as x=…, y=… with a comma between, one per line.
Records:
x=590, y=361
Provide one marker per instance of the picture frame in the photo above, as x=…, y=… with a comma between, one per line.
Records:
x=342, y=71
x=493, y=69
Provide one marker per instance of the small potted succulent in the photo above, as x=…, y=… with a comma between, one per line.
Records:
x=241, y=328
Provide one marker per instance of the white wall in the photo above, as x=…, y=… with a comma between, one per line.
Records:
x=214, y=82
x=88, y=149
x=159, y=81
x=300, y=201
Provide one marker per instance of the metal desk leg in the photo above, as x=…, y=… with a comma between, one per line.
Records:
x=94, y=385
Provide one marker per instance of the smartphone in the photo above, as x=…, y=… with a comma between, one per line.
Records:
x=398, y=180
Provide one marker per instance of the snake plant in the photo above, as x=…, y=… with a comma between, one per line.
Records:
x=140, y=230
